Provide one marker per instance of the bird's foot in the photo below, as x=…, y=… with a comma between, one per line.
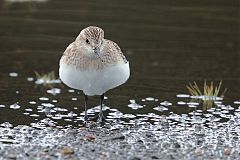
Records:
x=85, y=122
x=100, y=118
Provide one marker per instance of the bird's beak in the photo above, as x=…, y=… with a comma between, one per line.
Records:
x=97, y=52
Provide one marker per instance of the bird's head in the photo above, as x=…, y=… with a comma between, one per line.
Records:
x=91, y=39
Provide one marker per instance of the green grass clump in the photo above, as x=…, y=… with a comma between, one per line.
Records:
x=45, y=76
x=208, y=95
x=46, y=79
x=208, y=90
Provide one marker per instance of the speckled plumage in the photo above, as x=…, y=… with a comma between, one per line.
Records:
x=93, y=64
x=110, y=52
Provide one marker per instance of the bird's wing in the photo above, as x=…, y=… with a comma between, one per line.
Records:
x=70, y=49
x=69, y=53
x=116, y=49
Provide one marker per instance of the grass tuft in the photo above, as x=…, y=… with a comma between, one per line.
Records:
x=46, y=79
x=208, y=95
x=209, y=90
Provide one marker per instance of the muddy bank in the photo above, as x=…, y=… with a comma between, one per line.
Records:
x=138, y=141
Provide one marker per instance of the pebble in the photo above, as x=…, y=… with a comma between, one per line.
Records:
x=67, y=150
x=199, y=151
x=90, y=138
x=228, y=151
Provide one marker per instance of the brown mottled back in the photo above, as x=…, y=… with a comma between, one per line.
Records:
x=75, y=54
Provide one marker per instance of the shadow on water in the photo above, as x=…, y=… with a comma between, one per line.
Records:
x=168, y=45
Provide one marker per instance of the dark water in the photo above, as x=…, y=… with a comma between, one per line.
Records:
x=168, y=44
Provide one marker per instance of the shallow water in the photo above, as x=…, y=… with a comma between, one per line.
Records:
x=168, y=45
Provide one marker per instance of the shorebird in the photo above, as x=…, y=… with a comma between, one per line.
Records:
x=94, y=65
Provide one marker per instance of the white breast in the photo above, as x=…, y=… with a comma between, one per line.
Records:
x=94, y=82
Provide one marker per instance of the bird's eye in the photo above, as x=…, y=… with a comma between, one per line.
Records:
x=87, y=41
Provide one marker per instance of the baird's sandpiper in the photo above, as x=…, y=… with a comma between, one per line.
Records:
x=94, y=65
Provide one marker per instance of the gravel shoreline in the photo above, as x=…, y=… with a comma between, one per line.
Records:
x=132, y=142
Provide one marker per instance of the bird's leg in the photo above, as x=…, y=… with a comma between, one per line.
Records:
x=101, y=117
x=86, y=105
